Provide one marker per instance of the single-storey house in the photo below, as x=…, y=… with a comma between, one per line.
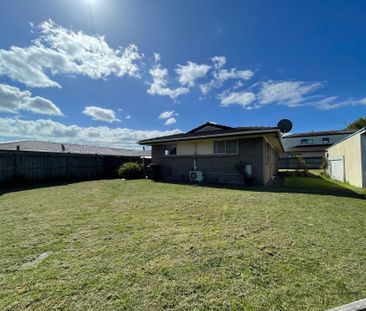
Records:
x=311, y=146
x=347, y=159
x=211, y=151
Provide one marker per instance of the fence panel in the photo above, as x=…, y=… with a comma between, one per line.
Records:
x=39, y=166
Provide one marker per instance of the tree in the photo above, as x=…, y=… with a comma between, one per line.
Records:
x=357, y=124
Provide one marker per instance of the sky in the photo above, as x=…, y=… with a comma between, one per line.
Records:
x=112, y=72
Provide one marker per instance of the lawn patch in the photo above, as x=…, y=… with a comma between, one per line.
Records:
x=146, y=245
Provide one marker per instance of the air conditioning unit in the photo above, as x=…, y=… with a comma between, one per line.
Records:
x=196, y=176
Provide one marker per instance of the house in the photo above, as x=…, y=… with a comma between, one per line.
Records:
x=311, y=146
x=213, y=150
x=347, y=159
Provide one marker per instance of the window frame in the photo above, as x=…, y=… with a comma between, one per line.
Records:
x=325, y=140
x=164, y=148
x=225, y=147
x=307, y=141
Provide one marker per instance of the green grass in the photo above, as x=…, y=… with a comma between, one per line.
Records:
x=318, y=181
x=313, y=184
x=140, y=245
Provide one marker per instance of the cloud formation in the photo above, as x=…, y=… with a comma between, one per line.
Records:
x=333, y=102
x=13, y=100
x=58, y=50
x=159, y=85
x=170, y=121
x=188, y=74
x=54, y=131
x=169, y=117
x=244, y=99
x=101, y=114
x=221, y=75
x=288, y=93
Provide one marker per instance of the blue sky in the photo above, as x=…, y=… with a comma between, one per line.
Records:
x=108, y=72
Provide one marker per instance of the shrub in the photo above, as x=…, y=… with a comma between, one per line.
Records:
x=324, y=166
x=131, y=170
x=301, y=166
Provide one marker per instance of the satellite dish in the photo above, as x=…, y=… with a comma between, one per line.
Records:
x=285, y=126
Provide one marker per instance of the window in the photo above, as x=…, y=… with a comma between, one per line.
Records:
x=219, y=147
x=170, y=149
x=306, y=141
x=226, y=146
x=325, y=140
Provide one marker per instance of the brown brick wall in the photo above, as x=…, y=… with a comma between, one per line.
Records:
x=216, y=168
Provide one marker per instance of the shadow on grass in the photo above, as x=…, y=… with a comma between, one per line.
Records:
x=291, y=184
x=312, y=184
x=4, y=189
x=24, y=186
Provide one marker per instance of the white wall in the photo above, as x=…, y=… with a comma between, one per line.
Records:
x=363, y=150
x=350, y=150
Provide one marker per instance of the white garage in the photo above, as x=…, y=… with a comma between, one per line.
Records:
x=347, y=159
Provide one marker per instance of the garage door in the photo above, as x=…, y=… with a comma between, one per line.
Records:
x=336, y=169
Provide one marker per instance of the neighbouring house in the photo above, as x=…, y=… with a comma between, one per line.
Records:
x=347, y=159
x=211, y=152
x=39, y=160
x=310, y=146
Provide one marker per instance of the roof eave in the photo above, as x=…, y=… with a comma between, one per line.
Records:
x=246, y=133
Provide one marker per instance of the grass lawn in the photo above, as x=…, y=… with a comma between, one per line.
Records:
x=140, y=245
x=316, y=184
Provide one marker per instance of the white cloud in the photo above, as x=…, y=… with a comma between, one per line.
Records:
x=13, y=100
x=157, y=58
x=167, y=114
x=58, y=50
x=54, y=131
x=289, y=93
x=221, y=75
x=128, y=117
x=159, y=86
x=170, y=121
x=233, y=73
x=244, y=99
x=188, y=74
x=333, y=102
x=219, y=61
x=100, y=114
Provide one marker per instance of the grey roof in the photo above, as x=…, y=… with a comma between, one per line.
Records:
x=320, y=133
x=361, y=132
x=221, y=130
x=309, y=148
x=43, y=146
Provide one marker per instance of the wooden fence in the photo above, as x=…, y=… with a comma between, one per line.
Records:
x=292, y=163
x=40, y=166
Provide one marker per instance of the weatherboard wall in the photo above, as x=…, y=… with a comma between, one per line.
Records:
x=217, y=168
x=350, y=150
